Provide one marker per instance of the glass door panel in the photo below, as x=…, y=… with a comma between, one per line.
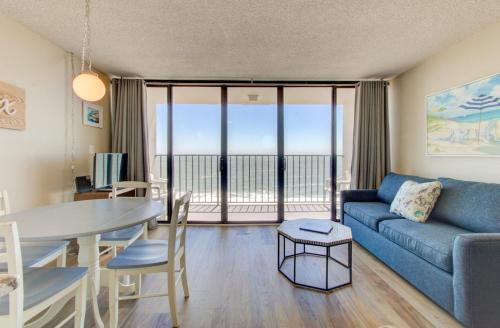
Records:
x=345, y=134
x=158, y=128
x=307, y=139
x=252, y=154
x=157, y=100
x=196, y=149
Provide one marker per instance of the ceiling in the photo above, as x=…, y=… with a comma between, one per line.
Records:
x=265, y=40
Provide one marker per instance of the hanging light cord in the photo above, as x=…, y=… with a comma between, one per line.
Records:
x=86, y=37
x=72, y=117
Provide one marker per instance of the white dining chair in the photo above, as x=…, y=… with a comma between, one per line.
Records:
x=35, y=254
x=124, y=237
x=154, y=256
x=159, y=187
x=38, y=288
x=159, y=193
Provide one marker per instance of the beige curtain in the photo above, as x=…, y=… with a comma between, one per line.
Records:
x=371, y=153
x=129, y=130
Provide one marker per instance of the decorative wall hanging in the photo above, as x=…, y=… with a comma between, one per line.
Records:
x=92, y=115
x=465, y=120
x=12, y=107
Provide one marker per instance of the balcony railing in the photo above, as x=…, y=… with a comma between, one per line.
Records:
x=251, y=178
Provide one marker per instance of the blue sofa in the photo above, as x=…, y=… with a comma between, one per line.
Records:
x=453, y=258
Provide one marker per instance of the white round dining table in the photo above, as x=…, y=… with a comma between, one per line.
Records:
x=86, y=221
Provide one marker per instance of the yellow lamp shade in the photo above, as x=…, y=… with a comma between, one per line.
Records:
x=88, y=86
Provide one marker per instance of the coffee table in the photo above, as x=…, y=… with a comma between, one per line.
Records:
x=306, y=258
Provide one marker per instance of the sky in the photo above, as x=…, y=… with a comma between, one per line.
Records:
x=447, y=103
x=252, y=129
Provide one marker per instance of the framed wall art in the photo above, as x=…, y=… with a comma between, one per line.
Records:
x=92, y=115
x=465, y=120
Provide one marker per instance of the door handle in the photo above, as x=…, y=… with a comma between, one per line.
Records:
x=221, y=164
x=283, y=163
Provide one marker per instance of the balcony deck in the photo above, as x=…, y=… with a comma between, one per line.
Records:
x=258, y=212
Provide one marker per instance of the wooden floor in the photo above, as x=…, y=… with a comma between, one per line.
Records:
x=234, y=282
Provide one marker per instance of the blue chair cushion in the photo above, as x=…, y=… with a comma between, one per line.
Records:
x=431, y=241
x=141, y=253
x=42, y=283
x=123, y=234
x=391, y=184
x=474, y=206
x=33, y=253
x=370, y=213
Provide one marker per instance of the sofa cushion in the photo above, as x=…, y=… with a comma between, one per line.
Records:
x=369, y=213
x=474, y=206
x=432, y=241
x=391, y=184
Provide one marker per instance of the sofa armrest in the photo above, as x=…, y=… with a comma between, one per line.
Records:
x=360, y=195
x=476, y=279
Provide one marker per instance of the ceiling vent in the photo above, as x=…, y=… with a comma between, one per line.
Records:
x=253, y=98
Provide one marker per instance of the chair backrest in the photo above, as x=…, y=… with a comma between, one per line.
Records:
x=177, y=230
x=160, y=184
x=4, y=203
x=12, y=256
x=347, y=175
x=137, y=185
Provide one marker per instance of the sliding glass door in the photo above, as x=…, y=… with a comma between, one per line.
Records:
x=252, y=154
x=158, y=130
x=307, y=135
x=196, y=149
x=344, y=110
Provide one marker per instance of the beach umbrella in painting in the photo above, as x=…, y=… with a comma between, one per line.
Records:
x=481, y=103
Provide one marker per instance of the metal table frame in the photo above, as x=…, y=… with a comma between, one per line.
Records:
x=327, y=257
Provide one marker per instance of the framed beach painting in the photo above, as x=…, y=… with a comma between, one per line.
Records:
x=92, y=115
x=465, y=121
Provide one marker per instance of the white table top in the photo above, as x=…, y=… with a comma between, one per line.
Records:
x=83, y=218
x=340, y=233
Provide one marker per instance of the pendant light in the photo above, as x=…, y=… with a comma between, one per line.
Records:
x=87, y=85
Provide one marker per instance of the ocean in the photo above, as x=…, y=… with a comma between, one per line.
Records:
x=251, y=178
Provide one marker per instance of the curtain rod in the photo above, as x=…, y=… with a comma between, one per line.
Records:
x=246, y=80
x=158, y=81
x=257, y=83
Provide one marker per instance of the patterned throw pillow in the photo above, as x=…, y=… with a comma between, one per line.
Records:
x=415, y=201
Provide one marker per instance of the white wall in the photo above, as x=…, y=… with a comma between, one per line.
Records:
x=476, y=57
x=35, y=163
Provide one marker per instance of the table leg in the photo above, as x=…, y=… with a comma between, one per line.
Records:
x=278, y=251
x=327, y=258
x=294, y=261
x=88, y=256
